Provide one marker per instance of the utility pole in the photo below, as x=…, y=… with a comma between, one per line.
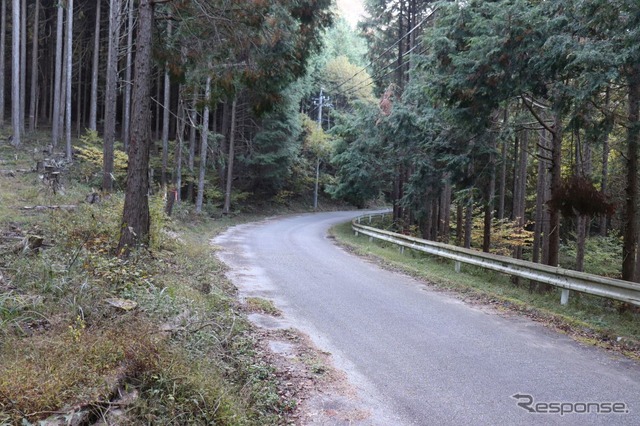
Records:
x=321, y=102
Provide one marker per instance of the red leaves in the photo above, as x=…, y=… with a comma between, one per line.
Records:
x=577, y=196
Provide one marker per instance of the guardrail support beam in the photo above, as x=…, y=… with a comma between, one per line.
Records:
x=457, y=267
x=564, y=297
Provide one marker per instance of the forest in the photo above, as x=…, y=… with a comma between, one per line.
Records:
x=509, y=126
x=133, y=131
x=506, y=126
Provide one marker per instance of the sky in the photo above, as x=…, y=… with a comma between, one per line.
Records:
x=351, y=9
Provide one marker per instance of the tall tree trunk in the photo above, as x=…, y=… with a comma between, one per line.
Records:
x=15, y=73
x=468, y=222
x=489, y=202
x=633, y=141
x=157, y=105
x=179, y=145
x=135, y=215
x=93, y=103
x=584, y=164
x=193, y=119
x=166, y=105
x=111, y=94
x=79, y=99
x=34, y=67
x=604, y=183
x=3, y=40
x=63, y=87
x=540, y=196
x=23, y=65
x=126, y=103
x=556, y=180
x=503, y=180
x=520, y=193
x=232, y=132
x=204, y=141
x=224, y=142
x=445, y=210
x=69, y=53
x=541, y=211
x=55, y=118
x=459, y=222
x=514, y=171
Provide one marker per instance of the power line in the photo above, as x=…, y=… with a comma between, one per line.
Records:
x=388, y=49
x=372, y=78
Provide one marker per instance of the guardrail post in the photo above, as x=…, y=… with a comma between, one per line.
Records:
x=358, y=220
x=370, y=239
x=401, y=249
x=457, y=267
x=369, y=219
x=564, y=298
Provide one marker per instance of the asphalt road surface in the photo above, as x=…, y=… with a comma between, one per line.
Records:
x=421, y=357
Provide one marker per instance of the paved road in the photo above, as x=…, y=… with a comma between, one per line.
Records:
x=421, y=356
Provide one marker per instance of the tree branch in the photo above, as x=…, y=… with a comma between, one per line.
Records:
x=536, y=116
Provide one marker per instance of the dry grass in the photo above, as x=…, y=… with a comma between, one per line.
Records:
x=185, y=351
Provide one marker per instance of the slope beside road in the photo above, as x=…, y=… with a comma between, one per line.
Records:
x=421, y=357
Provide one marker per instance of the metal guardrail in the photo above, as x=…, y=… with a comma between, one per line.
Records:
x=565, y=279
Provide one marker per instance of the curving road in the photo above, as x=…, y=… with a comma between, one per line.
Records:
x=417, y=356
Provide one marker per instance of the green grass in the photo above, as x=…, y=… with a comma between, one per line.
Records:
x=586, y=317
x=263, y=306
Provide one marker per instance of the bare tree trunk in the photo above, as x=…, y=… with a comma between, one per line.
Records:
x=468, y=222
x=23, y=65
x=204, y=136
x=55, y=118
x=541, y=211
x=445, y=211
x=226, y=125
x=93, y=103
x=633, y=141
x=232, y=131
x=556, y=180
x=135, y=216
x=157, y=106
x=63, y=88
x=459, y=223
x=488, y=208
x=316, y=184
x=111, y=91
x=166, y=104
x=540, y=197
x=193, y=118
x=34, y=67
x=503, y=180
x=69, y=52
x=179, y=145
x=79, y=107
x=15, y=73
x=604, y=183
x=520, y=193
x=3, y=40
x=126, y=107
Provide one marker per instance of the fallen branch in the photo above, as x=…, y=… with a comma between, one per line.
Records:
x=41, y=208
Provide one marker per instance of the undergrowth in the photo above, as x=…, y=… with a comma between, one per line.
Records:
x=154, y=339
